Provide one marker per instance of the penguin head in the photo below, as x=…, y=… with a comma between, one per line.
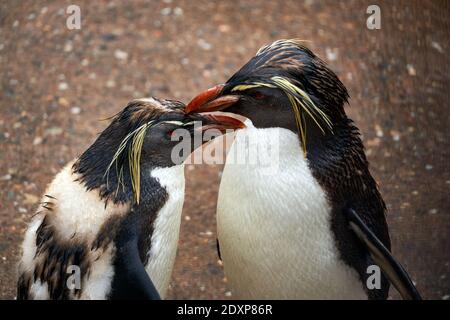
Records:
x=284, y=85
x=142, y=137
x=157, y=127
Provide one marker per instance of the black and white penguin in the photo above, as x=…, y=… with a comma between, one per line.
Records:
x=313, y=227
x=114, y=213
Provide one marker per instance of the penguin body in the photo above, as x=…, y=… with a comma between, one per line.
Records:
x=74, y=228
x=108, y=224
x=289, y=251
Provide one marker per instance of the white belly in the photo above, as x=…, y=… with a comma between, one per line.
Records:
x=274, y=226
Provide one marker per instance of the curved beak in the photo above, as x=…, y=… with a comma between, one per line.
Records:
x=211, y=100
x=221, y=122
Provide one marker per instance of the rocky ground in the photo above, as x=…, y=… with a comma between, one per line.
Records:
x=57, y=83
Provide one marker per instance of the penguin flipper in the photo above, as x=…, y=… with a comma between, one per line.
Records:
x=393, y=270
x=132, y=281
x=141, y=285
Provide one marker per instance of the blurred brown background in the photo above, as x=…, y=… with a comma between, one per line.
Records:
x=57, y=83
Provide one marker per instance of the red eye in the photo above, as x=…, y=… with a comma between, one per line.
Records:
x=259, y=96
x=170, y=133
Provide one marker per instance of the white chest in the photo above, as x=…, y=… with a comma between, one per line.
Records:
x=166, y=229
x=274, y=225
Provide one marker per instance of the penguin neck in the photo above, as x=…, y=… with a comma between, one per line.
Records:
x=162, y=193
x=324, y=147
x=161, y=252
x=342, y=145
x=332, y=155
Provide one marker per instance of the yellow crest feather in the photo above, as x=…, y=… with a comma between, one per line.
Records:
x=135, y=141
x=300, y=101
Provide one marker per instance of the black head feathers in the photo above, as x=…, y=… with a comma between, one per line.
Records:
x=112, y=163
x=296, y=64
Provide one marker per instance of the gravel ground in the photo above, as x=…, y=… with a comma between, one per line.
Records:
x=57, y=83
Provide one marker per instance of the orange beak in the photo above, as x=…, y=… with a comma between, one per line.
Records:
x=221, y=122
x=210, y=100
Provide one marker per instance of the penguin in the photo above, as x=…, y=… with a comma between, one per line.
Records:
x=108, y=224
x=315, y=226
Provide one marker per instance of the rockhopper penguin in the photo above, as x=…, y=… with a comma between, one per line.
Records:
x=313, y=229
x=114, y=213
